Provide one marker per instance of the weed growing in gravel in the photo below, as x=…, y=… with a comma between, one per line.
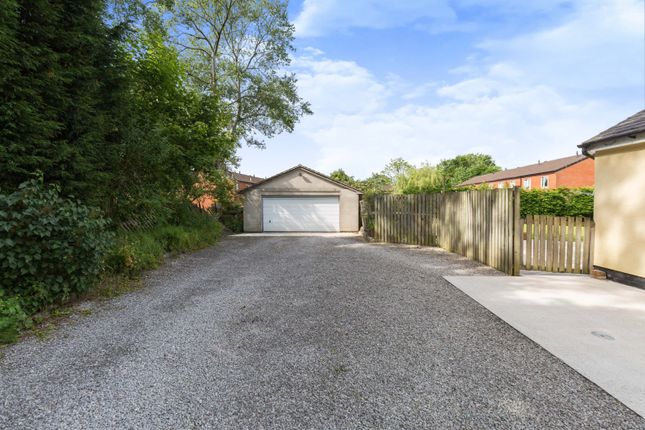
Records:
x=43, y=333
x=61, y=312
x=114, y=286
x=340, y=369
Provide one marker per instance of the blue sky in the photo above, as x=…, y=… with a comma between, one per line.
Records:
x=430, y=79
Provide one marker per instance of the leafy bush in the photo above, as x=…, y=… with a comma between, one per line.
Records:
x=558, y=202
x=12, y=319
x=50, y=247
x=232, y=218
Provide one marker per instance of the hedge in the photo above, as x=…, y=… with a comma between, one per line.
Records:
x=558, y=202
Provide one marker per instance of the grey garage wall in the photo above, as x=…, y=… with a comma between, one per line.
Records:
x=300, y=182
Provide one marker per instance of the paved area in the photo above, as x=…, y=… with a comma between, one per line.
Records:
x=596, y=327
x=298, y=332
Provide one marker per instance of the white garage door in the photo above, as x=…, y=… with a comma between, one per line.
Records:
x=300, y=214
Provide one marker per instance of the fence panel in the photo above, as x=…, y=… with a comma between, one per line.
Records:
x=481, y=225
x=557, y=244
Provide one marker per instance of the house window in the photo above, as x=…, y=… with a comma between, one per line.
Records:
x=512, y=184
x=545, y=182
x=500, y=185
x=526, y=184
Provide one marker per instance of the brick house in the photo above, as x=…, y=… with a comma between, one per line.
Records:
x=241, y=181
x=569, y=172
x=244, y=181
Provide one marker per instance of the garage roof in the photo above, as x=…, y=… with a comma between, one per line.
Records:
x=306, y=169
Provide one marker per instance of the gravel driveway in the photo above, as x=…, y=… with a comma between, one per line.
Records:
x=297, y=332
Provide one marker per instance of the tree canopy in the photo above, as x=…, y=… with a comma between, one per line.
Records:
x=456, y=170
x=237, y=50
x=402, y=177
x=132, y=105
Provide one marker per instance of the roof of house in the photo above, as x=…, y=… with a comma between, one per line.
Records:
x=240, y=177
x=524, y=171
x=300, y=166
x=633, y=125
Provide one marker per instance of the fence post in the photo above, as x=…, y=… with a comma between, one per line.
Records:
x=517, y=233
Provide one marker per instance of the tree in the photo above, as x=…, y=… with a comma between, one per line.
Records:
x=53, y=113
x=237, y=50
x=456, y=170
x=340, y=176
x=377, y=183
x=173, y=138
x=395, y=168
x=423, y=179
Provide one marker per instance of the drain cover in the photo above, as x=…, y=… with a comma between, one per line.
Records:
x=603, y=335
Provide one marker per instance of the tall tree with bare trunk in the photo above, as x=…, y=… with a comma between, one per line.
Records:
x=239, y=50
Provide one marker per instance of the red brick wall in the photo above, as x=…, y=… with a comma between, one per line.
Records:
x=536, y=182
x=243, y=185
x=579, y=175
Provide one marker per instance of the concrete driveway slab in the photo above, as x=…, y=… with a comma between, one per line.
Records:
x=298, y=332
x=597, y=327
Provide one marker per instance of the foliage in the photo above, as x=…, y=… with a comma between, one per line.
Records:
x=238, y=50
x=173, y=137
x=50, y=247
x=396, y=168
x=341, y=176
x=456, y=170
x=136, y=251
x=101, y=99
x=55, y=92
x=233, y=218
x=401, y=177
x=12, y=319
x=377, y=183
x=103, y=109
x=423, y=179
x=558, y=202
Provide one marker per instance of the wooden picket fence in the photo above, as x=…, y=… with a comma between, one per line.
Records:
x=557, y=244
x=483, y=225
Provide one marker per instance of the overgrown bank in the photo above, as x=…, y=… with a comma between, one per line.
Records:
x=121, y=112
x=54, y=250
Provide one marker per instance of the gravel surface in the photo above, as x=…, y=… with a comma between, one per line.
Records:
x=297, y=332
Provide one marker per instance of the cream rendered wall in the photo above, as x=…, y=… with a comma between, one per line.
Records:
x=300, y=182
x=619, y=209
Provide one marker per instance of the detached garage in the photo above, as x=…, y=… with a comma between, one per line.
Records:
x=300, y=200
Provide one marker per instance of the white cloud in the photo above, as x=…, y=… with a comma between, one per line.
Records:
x=320, y=17
x=323, y=17
x=534, y=96
x=338, y=86
x=600, y=47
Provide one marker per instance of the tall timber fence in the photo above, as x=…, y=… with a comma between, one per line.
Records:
x=483, y=225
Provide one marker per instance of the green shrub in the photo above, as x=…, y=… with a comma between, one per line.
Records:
x=12, y=319
x=558, y=202
x=232, y=218
x=50, y=247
